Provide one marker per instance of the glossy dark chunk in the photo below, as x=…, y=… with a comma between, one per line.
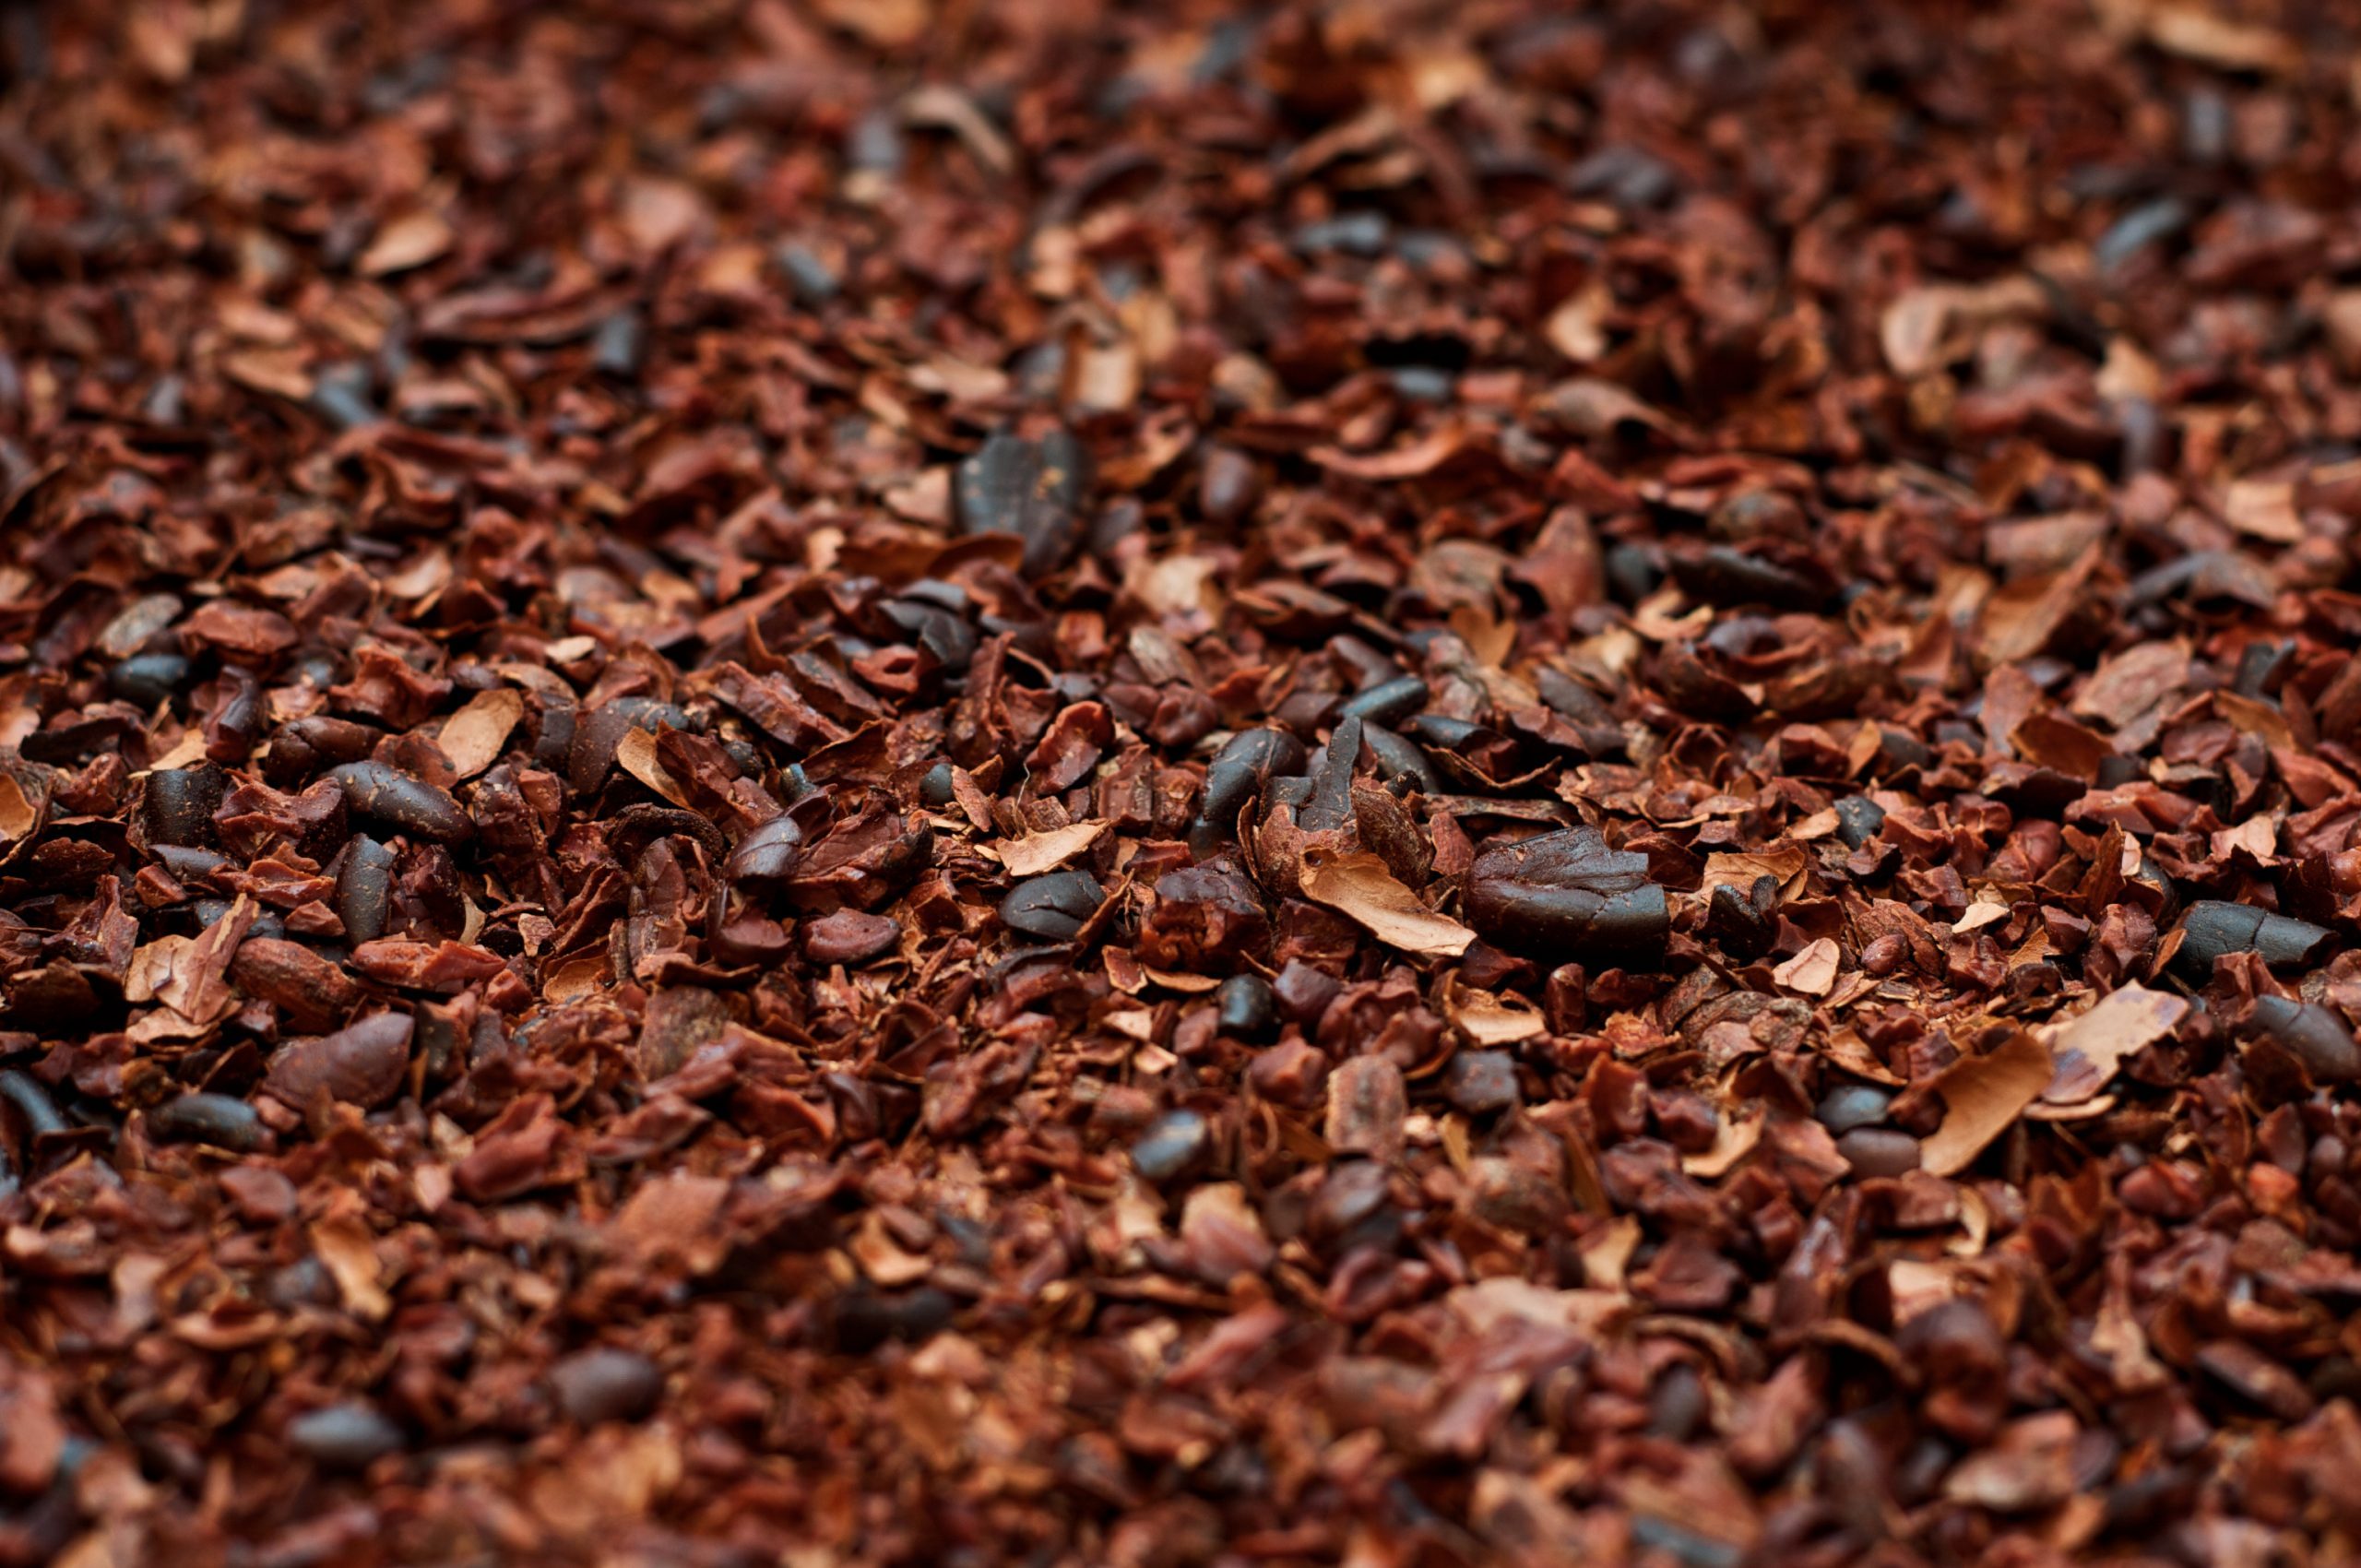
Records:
x=1246, y=761
x=1054, y=907
x=553, y=742
x=1358, y=233
x=2261, y=664
x=1571, y=699
x=402, y=802
x=767, y=856
x=1900, y=749
x=2155, y=889
x=188, y=865
x=1721, y=575
x=1031, y=489
x=864, y=1319
x=238, y=719
x=1634, y=572
x=364, y=888
x=349, y=1436
x=1396, y=757
x=1566, y=894
x=148, y=679
x=2211, y=929
x=1389, y=703
x=600, y=730
x=1848, y=1106
x=1858, y=819
x=341, y=394
x=2140, y=228
x=1744, y=920
x=1446, y=735
x=32, y=1103
x=813, y=280
x=2114, y=771
x=212, y=912
x=606, y=1385
x=216, y=1119
x=1173, y=1145
x=1248, y=1009
x=946, y=635
x=1330, y=804
x=620, y=345
x=176, y=805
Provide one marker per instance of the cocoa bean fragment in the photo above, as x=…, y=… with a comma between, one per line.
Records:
x=1052, y=907
x=2211, y=929
x=1566, y=894
x=401, y=801
x=364, y=1064
x=349, y=1436
x=606, y=1385
x=215, y=1119
x=311, y=993
x=1031, y=489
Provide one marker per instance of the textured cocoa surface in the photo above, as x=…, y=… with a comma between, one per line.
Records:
x=934, y=781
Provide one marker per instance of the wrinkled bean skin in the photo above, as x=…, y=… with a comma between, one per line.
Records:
x=364, y=1064
x=2317, y=1036
x=177, y=805
x=2213, y=929
x=1388, y=702
x=211, y=1119
x=1568, y=895
x=400, y=802
x=1031, y=489
x=364, y=888
x=1243, y=766
x=1052, y=907
x=766, y=858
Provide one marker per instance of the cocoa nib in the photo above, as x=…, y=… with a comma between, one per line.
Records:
x=401, y=801
x=1031, y=489
x=1566, y=895
x=2212, y=929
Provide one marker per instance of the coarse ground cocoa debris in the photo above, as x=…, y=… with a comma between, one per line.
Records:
x=969, y=782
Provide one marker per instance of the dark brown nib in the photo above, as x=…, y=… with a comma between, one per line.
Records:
x=2212, y=930
x=1052, y=907
x=1030, y=489
x=1244, y=766
x=1245, y=784
x=400, y=802
x=1567, y=897
x=2318, y=1037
